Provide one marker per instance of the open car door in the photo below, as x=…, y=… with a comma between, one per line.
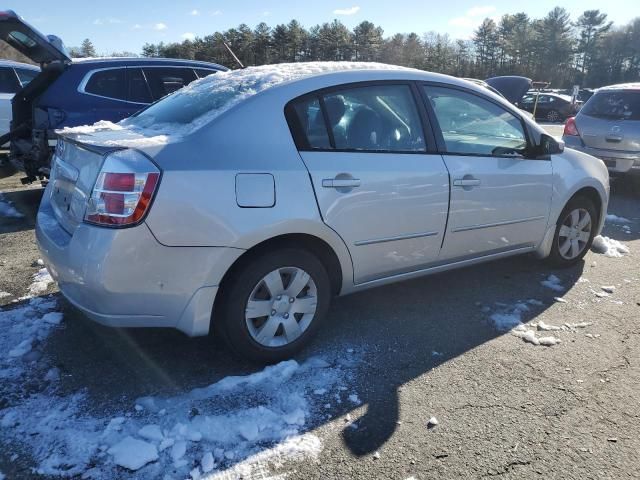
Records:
x=29, y=41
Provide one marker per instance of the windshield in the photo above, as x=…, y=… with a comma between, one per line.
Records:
x=621, y=105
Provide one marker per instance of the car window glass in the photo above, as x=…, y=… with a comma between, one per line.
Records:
x=474, y=126
x=375, y=118
x=203, y=72
x=622, y=105
x=8, y=81
x=138, y=89
x=108, y=83
x=163, y=80
x=25, y=76
x=312, y=123
x=22, y=39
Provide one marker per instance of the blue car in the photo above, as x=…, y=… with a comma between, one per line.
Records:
x=68, y=93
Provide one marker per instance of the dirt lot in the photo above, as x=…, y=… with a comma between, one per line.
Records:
x=406, y=353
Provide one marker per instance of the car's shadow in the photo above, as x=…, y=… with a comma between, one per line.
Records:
x=403, y=330
x=624, y=202
x=25, y=202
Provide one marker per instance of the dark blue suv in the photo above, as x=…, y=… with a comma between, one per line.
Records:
x=70, y=93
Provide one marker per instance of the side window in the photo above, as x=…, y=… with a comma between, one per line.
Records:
x=8, y=81
x=203, y=72
x=25, y=76
x=472, y=125
x=137, y=85
x=108, y=83
x=381, y=118
x=311, y=123
x=163, y=80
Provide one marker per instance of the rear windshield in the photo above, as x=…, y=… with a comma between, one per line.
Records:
x=622, y=105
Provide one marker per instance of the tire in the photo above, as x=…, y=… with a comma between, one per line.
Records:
x=553, y=116
x=248, y=337
x=562, y=257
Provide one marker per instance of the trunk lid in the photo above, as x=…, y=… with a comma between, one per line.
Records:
x=74, y=169
x=29, y=41
x=511, y=87
x=610, y=120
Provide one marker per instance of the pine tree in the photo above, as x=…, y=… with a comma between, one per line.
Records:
x=87, y=49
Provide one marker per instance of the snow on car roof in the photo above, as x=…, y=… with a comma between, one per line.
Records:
x=203, y=100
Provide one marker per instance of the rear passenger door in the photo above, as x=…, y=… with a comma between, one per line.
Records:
x=500, y=198
x=110, y=89
x=378, y=181
x=165, y=80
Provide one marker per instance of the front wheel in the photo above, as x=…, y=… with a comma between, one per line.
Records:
x=274, y=304
x=575, y=231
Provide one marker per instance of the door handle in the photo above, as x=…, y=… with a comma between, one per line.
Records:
x=340, y=182
x=466, y=182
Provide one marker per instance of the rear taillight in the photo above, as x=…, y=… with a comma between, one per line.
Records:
x=570, y=127
x=123, y=190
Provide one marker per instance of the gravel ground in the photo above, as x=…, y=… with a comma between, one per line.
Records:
x=505, y=407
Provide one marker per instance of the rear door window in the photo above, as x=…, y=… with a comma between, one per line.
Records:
x=308, y=117
x=108, y=83
x=137, y=86
x=621, y=105
x=25, y=76
x=164, y=80
x=8, y=80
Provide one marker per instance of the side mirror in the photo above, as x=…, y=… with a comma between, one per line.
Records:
x=550, y=146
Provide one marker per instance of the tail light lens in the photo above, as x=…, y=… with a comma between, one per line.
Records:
x=123, y=191
x=570, y=127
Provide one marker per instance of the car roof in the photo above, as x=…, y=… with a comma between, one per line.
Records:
x=11, y=63
x=124, y=61
x=621, y=86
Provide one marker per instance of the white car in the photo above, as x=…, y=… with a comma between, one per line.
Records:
x=249, y=198
x=13, y=77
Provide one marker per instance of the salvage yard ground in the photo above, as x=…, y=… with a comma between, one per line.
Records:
x=469, y=350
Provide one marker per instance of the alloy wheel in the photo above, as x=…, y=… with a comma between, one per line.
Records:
x=281, y=307
x=574, y=233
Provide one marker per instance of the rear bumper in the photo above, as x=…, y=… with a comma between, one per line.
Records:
x=617, y=162
x=125, y=278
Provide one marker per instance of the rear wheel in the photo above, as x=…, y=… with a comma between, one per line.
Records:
x=274, y=304
x=574, y=232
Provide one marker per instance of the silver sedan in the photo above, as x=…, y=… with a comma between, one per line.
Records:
x=245, y=201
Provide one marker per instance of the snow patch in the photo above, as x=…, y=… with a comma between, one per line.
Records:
x=41, y=281
x=7, y=209
x=609, y=247
x=616, y=219
x=553, y=283
x=132, y=453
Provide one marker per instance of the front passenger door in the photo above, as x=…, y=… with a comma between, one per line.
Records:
x=500, y=199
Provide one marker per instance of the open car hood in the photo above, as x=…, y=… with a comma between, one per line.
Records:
x=512, y=88
x=29, y=41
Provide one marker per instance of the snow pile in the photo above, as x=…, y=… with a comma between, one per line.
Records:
x=203, y=100
x=228, y=429
x=22, y=330
x=609, y=247
x=509, y=317
x=553, y=283
x=530, y=336
x=96, y=127
x=8, y=210
x=41, y=281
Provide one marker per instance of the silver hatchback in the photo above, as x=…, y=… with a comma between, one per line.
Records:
x=608, y=127
x=245, y=201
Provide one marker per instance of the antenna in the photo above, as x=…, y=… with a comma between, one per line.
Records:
x=233, y=54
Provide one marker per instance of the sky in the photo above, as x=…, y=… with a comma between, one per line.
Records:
x=119, y=25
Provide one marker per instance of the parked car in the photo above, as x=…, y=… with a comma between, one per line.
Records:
x=246, y=200
x=13, y=77
x=551, y=107
x=69, y=93
x=608, y=127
